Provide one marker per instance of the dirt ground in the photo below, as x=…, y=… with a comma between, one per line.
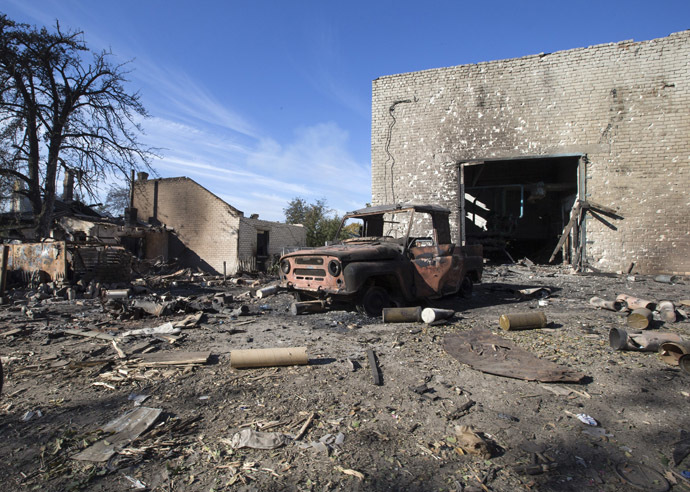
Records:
x=61, y=388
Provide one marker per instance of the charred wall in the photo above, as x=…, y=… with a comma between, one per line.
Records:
x=623, y=106
x=206, y=228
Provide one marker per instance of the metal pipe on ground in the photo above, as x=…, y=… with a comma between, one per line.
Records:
x=402, y=315
x=620, y=339
x=287, y=356
x=118, y=294
x=671, y=352
x=640, y=319
x=635, y=302
x=316, y=306
x=684, y=363
x=666, y=279
x=267, y=291
x=609, y=305
x=522, y=321
x=431, y=315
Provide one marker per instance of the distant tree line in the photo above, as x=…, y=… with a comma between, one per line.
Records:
x=320, y=222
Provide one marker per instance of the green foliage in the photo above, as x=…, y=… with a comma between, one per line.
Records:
x=320, y=222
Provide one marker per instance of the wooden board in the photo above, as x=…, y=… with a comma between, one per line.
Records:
x=489, y=353
x=90, y=334
x=174, y=357
x=373, y=365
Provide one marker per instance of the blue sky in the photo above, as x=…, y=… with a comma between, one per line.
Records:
x=264, y=101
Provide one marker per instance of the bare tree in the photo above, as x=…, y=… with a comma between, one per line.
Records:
x=58, y=109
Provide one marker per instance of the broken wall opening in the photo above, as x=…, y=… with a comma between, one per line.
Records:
x=517, y=208
x=262, y=256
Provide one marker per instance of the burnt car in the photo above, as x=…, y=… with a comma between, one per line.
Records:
x=393, y=255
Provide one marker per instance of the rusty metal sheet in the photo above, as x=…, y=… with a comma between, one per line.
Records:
x=489, y=353
x=436, y=269
x=36, y=260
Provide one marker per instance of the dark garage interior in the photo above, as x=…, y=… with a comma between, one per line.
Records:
x=517, y=208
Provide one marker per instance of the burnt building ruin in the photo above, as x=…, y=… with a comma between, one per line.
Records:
x=207, y=232
x=519, y=147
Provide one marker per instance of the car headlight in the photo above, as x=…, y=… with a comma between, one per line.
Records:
x=285, y=266
x=334, y=268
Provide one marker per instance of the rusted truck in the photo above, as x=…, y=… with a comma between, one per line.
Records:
x=395, y=255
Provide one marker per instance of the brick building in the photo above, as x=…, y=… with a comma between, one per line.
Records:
x=207, y=231
x=523, y=139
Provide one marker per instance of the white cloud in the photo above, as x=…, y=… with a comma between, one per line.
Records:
x=174, y=94
x=261, y=175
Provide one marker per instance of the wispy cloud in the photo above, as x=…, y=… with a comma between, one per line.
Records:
x=174, y=94
x=203, y=137
x=262, y=176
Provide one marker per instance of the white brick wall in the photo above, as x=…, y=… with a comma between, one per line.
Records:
x=624, y=105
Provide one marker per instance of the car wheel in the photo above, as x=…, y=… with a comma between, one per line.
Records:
x=373, y=301
x=466, y=287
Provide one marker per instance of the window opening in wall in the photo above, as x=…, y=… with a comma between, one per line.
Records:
x=517, y=208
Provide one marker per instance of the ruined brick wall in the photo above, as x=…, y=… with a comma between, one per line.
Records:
x=279, y=236
x=623, y=105
x=210, y=230
x=206, y=226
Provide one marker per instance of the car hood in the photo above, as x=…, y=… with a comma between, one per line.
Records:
x=354, y=252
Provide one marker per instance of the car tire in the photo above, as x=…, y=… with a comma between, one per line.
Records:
x=373, y=301
x=466, y=287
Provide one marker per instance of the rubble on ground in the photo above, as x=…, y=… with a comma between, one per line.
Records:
x=112, y=386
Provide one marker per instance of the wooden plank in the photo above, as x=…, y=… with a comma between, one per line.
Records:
x=126, y=428
x=375, y=374
x=3, y=268
x=90, y=334
x=574, y=213
x=174, y=357
x=596, y=206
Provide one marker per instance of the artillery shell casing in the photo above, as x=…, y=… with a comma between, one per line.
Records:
x=522, y=321
x=402, y=315
x=270, y=357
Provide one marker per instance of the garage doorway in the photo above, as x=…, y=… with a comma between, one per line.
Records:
x=517, y=208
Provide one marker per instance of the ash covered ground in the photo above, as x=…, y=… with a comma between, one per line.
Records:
x=344, y=432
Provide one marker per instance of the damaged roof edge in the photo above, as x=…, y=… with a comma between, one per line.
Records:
x=379, y=209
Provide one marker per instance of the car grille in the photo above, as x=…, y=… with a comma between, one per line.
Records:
x=305, y=273
x=309, y=260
